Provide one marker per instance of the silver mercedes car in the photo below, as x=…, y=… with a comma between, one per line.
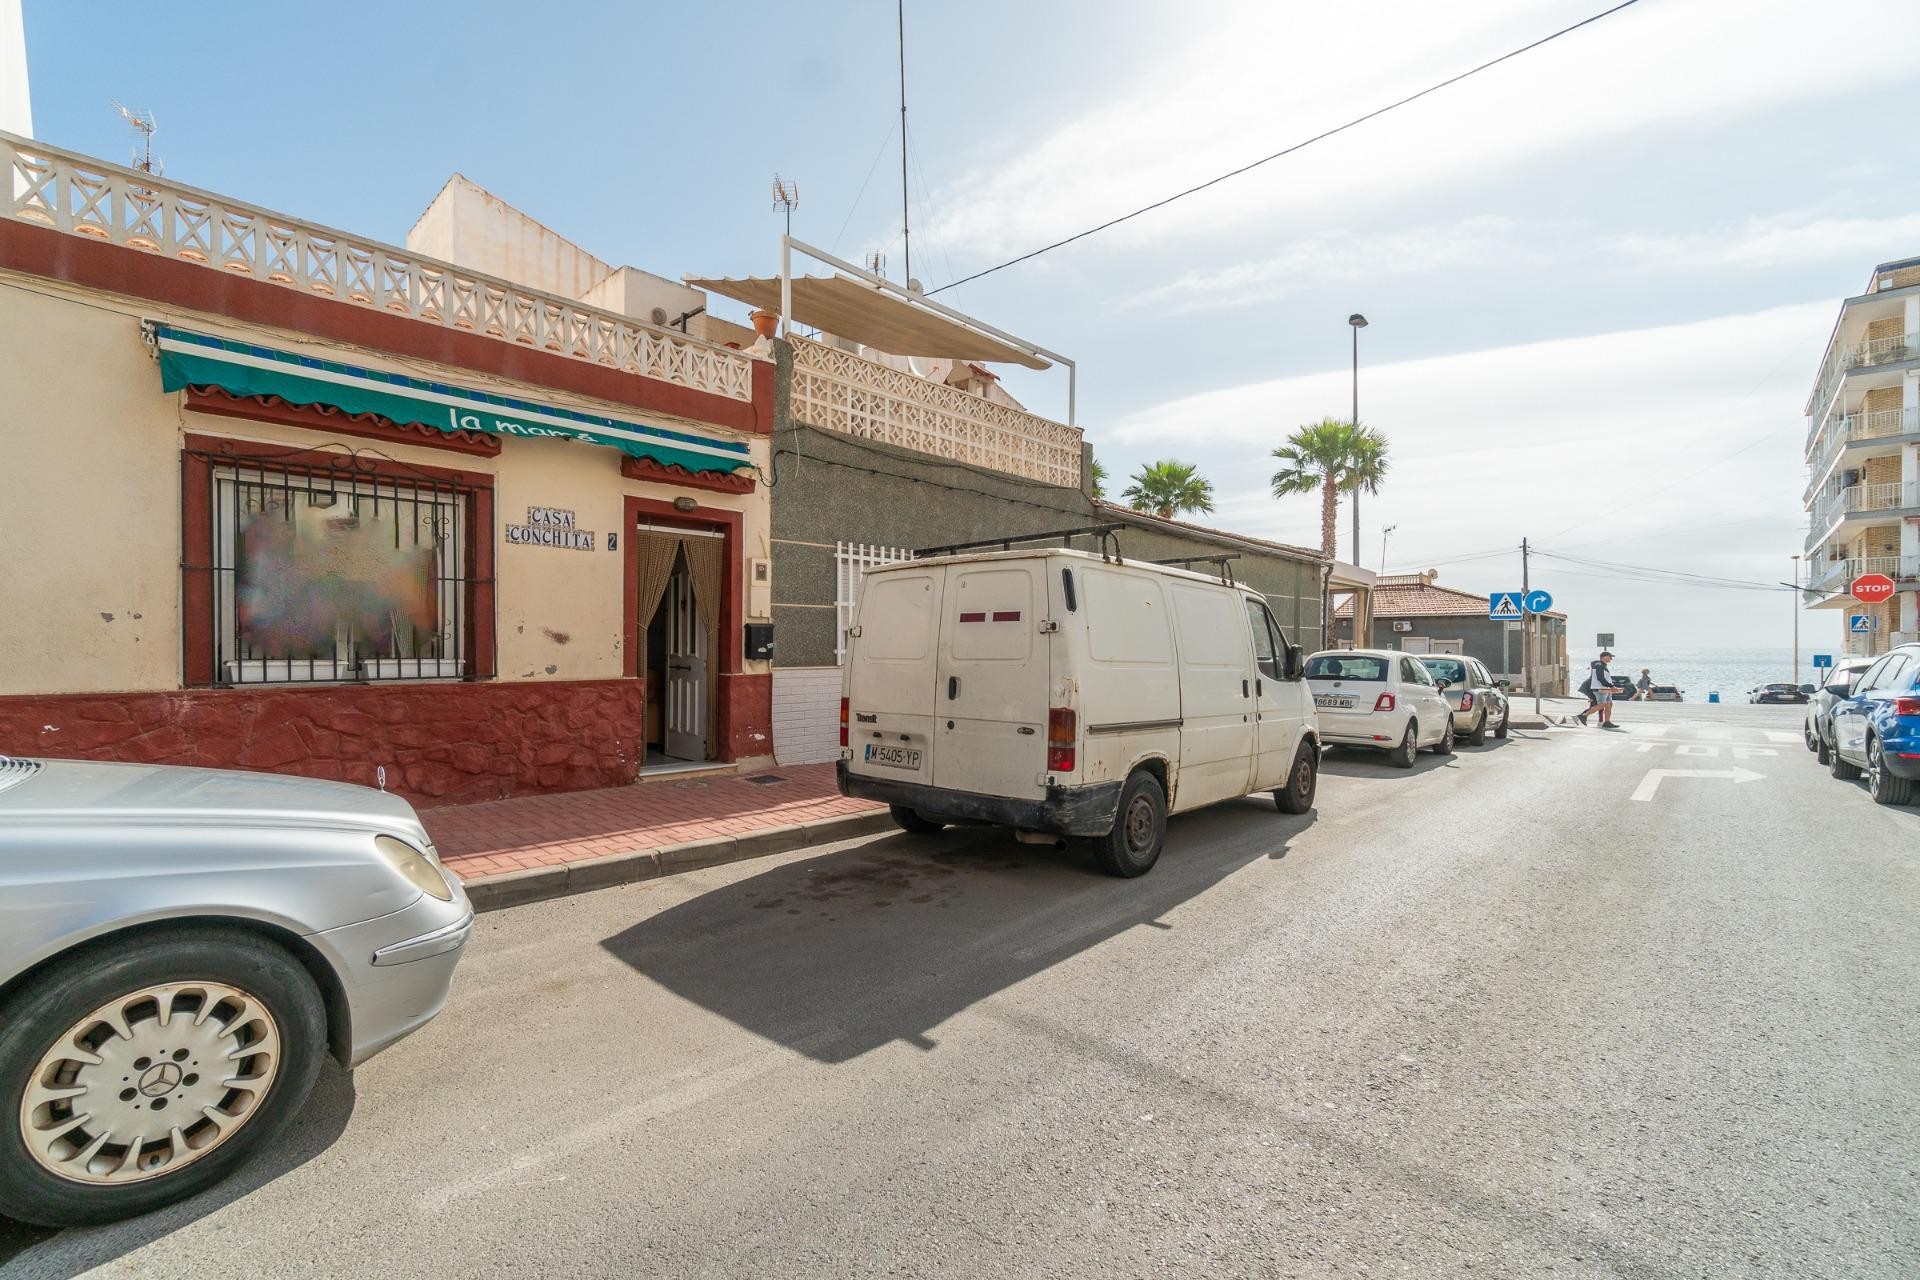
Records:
x=178, y=948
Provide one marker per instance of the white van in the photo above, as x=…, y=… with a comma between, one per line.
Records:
x=1063, y=693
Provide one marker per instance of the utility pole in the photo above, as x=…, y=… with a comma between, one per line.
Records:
x=1356, y=322
x=1526, y=625
x=906, y=242
x=1796, y=621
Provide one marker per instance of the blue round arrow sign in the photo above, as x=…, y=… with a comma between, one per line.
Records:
x=1537, y=602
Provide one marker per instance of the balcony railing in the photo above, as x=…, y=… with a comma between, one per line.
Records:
x=1859, y=499
x=1856, y=428
x=1859, y=355
x=82, y=196
x=839, y=391
x=1834, y=575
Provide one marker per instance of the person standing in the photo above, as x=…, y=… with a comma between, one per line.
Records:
x=1599, y=688
x=1644, y=686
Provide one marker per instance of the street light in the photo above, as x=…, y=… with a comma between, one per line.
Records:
x=1383, y=545
x=1357, y=322
x=1796, y=622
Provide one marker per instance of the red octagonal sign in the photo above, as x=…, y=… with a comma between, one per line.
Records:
x=1872, y=588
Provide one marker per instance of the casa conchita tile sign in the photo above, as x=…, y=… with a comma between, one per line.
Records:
x=550, y=527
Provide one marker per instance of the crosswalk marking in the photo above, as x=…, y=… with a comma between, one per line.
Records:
x=1776, y=735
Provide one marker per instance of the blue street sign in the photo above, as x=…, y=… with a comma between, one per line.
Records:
x=1537, y=602
x=1504, y=605
x=1822, y=660
x=1859, y=624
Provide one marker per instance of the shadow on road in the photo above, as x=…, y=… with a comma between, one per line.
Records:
x=840, y=954
x=40, y=1251
x=1360, y=762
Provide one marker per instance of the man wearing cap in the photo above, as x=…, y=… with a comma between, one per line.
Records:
x=1599, y=690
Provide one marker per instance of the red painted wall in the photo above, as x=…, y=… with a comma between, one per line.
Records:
x=440, y=743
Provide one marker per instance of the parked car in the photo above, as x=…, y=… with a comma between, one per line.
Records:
x=1818, y=725
x=178, y=949
x=1479, y=701
x=1876, y=727
x=1064, y=694
x=1380, y=698
x=1778, y=692
x=1665, y=693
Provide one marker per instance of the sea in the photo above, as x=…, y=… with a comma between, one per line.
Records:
x=1698, y=671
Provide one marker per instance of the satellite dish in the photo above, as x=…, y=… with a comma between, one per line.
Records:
x=932, y=368
x=658, y=315
x=914, y=286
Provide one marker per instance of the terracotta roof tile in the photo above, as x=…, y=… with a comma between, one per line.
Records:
x=1402, y=597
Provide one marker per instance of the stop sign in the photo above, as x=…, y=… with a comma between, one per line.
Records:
x=1872, y=588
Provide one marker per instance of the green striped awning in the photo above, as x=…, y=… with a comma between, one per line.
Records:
x=242, y=369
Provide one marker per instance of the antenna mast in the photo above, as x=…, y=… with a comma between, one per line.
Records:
x=143, y=126
x=906, y=241
x=786, y=197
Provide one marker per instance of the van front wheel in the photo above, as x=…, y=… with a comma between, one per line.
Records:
x=911, y=820
x=1297, y=795
x=1139, y=829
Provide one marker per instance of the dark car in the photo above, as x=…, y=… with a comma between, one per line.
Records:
x=1665, y=693
x=1779, y=692
x=1876, y=728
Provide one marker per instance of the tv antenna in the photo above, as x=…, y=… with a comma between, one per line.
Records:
x=906, y=238
x=877, y=264
x=786, y=197
x=143, y=127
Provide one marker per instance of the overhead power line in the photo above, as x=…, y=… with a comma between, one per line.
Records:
x=1656, y=574
x=1287, y=151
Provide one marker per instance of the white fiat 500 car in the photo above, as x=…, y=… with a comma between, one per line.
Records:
x=1382, y=699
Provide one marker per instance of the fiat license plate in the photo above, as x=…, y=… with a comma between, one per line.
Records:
x=893, y=757
x=1332, y=702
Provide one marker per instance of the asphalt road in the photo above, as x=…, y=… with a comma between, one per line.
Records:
x=1493, y=1016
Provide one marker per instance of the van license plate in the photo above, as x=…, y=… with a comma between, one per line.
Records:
x=893, y=757
x=1332, y=702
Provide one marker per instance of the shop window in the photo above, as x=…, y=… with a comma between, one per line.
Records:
x=327, y=572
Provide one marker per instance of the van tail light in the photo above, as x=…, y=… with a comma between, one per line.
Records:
x=1384, y=703
x=1062, y=723
x=1466, y=701
x=843, y=722
x=1908, y=706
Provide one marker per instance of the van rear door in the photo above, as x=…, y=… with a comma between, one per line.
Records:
x=990, y=721
x=891, y=672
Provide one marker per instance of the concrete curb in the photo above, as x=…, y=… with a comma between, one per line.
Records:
x=536, y=884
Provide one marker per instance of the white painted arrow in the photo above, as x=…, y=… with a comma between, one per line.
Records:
x=1651, y=783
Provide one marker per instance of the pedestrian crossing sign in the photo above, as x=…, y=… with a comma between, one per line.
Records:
x=1859, y=624
x=1505, y=605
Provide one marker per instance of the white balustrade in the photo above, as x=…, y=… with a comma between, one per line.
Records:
x=81, y=196
x=839, y=391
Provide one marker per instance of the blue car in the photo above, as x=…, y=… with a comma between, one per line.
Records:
x=1876, y=728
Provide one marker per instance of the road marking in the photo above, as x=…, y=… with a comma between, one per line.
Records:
x=1715, y=735
x=1696, y=749
x=1776, y=735
x=1651, y=783
x=1649, y=730
x=1748, y=753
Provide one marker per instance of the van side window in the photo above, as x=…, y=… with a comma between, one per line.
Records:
x=1264, y=655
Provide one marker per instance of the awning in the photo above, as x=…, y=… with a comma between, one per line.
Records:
x=242, y=369
x=848, y=308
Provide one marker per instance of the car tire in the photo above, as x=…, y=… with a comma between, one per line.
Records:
x=1401, y=757
x=1506, y=718
x=912, y=820
x=1302, y=781
x=1139, y=829
x=1812, y=738
x=271, y=1006
x=1822, y=752
x=1839, y=768
x=1444, y=747
x=1882, y=784
x=1477, y=736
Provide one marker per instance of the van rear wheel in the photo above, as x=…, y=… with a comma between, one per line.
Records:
x=1139, y=829
x=912, y=820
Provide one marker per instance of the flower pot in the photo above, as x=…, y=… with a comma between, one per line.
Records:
x=765, y=322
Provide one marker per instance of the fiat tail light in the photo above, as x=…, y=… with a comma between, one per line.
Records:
x=1384, y=702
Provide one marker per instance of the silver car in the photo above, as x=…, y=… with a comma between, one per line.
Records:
x=1479, y=701
x=1818, y=723
x=178, y=948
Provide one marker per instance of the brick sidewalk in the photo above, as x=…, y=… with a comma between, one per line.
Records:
x=545, y=831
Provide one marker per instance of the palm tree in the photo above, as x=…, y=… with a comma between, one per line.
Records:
x=1330, y=456
x=1167, y=487
x=1099, y=481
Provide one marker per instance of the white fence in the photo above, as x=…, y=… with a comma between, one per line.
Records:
x=839, y=391
x=80, y=196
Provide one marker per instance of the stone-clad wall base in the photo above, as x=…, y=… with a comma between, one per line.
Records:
x=440, y=743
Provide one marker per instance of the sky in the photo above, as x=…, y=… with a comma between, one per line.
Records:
x=1598, y=278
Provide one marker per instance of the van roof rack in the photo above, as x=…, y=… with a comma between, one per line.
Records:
x=1108, y=534
x=1219, y=562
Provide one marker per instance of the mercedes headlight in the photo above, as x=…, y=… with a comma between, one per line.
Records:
x=419, y=870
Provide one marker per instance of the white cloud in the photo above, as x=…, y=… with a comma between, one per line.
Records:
x=1678, y=445
x=1778, y=241
x=1268, y=75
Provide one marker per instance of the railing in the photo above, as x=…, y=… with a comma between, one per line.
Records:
x=839, y=391
x=1834, y=575
x=1857, y=427
x=81, y=196
x=1889, y=496
x=1859, y=355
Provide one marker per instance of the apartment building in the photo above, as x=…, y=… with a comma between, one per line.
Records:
x=1863, y=455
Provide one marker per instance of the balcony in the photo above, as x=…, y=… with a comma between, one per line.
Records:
x=80, y=196
x=1834, y=575
x=1865, y=354
x=1860, y=428
x=1859, y=500
x=836, y=390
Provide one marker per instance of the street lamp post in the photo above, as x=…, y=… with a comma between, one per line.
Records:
x=1357, y=322
x=1796, y=622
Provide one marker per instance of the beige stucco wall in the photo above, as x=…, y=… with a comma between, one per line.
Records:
x=90, y=584
x=471, y=227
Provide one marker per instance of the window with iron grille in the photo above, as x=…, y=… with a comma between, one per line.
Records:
x=330, y=571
